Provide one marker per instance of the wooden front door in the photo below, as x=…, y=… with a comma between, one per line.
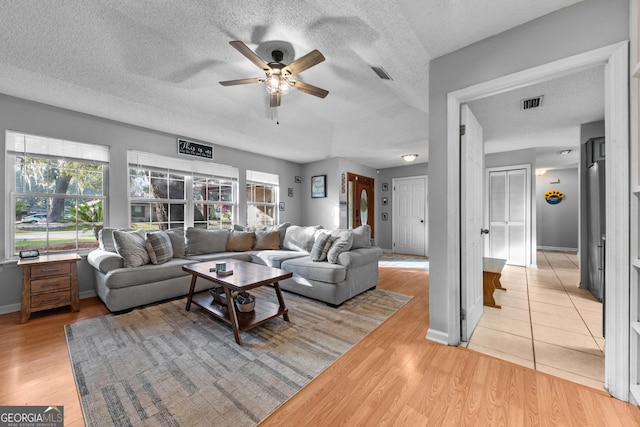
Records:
x=360, y=201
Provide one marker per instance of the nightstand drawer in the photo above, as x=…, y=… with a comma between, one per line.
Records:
x=48, y=270
x=50, y=300
x=50, y=284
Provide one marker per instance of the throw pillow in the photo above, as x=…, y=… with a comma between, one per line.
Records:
x=201, y=241
x=177, y=241
x=240, y=241
x=318, y=252
x=131, y=246
x=267, y=240
x=342, y=243
x=361, y=237
x=299, y=238
x=159, y=247
x=105, y=239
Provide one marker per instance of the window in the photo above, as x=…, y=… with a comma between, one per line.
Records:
x=177, y=193
x=262, y=198
x=56, y=191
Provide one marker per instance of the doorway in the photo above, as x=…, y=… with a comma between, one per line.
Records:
x=508, y=213
x=409, y=222
x=615, y=59
x=360, y=201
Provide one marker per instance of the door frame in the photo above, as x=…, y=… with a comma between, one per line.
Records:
x=426, y=210
x=615, y=57
x=529, y=254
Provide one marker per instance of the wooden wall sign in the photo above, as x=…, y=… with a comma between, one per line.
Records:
x=196, y=149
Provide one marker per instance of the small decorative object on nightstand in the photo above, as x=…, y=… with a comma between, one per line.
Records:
x=49, y=281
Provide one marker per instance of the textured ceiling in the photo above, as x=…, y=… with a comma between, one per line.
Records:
x=568, y=102
x=157, y=64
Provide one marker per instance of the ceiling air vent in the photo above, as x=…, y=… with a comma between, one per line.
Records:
x=382, y=73
x=530, y=103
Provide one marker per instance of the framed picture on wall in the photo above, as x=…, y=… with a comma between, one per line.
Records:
x=290, y=192
x=385, y=186
x=281, y=205
x=298, y=179
x=385, y=216
x=385, y=201
x=318, y=186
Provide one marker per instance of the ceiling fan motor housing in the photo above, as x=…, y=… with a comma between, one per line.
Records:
x=277, y=55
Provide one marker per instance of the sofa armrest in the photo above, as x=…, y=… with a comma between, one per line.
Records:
x=104, y=261
x=358, y=257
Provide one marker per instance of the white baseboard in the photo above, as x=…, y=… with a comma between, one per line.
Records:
x=438, y=336
x=12, y=308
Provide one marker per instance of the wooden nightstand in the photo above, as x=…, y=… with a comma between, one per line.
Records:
x=49, y=281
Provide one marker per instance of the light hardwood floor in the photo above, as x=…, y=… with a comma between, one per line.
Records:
x=392, y=377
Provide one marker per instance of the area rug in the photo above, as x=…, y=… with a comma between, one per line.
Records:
x=164, y=366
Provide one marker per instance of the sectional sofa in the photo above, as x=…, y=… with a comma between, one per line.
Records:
x=134, y=268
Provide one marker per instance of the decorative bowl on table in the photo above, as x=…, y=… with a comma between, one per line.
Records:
x=245, y=302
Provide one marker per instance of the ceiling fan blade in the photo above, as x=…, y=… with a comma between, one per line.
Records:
x=241, y=82
x=274, y=99
x=309, y=60
x=250, y=54
x=310, y=89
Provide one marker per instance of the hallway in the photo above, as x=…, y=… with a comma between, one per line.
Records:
x=546, y=322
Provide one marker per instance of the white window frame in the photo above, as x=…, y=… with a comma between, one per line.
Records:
x=265, y=179
x=189, y=169
x=23, y=144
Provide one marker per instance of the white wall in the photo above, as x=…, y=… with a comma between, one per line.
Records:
x=576, y=29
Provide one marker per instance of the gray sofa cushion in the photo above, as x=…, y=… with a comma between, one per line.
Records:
x=159, y=247
x=243, y=256
x=342, y=243
x=177, y=241
x=150, y=273
x=299, y=238
x=361, y=237
x=201, y=241
x=131, y=246
x=359, y=257
x=104, y=261
x=274, y=258
x=320, y=271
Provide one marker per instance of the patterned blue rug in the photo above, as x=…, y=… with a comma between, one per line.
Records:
x=164, y=366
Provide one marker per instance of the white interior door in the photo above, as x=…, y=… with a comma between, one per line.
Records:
x=409, y=215
x=472, y=174
x=508, y=215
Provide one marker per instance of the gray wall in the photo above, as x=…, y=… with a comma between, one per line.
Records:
x=584, y=26
x=558, y=224
x=39, y=119
x=384, y=235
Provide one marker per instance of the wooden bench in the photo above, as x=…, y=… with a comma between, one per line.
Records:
x=491, y=272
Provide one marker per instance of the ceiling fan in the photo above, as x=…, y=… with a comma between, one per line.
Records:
x=277, y=78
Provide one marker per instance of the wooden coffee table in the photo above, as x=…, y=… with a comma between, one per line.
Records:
x=246, y=276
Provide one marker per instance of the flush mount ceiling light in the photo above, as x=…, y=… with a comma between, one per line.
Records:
x=409, y=157
x=565, y=152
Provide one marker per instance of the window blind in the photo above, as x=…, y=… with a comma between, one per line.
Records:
x=263, y=177
x=189, y=167
x=18, y=143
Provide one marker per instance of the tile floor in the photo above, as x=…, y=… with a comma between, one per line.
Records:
x=546, y=322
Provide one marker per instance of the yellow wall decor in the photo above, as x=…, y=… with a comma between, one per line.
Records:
x=553, y=197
